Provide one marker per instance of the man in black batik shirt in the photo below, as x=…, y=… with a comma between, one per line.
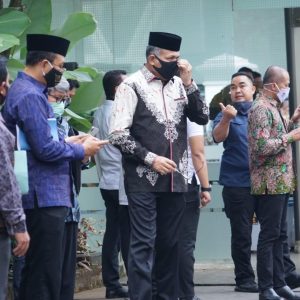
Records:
x=148, y=124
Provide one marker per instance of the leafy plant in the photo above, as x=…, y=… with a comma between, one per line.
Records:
x=76, y=27
x=35, y=16
x=86, y=228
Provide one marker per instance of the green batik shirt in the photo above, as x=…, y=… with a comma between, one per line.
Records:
x=270, y=151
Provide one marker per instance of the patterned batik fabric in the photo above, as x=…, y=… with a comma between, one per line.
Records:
x=149, y=119
x=271, y=165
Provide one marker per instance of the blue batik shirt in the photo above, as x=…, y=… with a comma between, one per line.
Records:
x=48, y=160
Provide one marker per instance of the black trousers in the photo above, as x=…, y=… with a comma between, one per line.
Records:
x=69, y=261
x=289, y=266
x=155, y=220
x=125, y=233
x=116, y=222
x=42, y=273
x=271, y=213
x=187, y=242
x=240, y=206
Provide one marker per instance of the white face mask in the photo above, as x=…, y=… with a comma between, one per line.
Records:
x=282, y=94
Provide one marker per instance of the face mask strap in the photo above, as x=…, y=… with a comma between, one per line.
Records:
x=43, y=72
x=269, y=89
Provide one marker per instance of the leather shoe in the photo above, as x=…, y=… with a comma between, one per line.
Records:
x=114, y=294
x=269, y=294
x=286, y=293
x=293, y=281
x=247, y=287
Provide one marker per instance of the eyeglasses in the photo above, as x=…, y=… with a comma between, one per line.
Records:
x=60, y=99
x=59, y=68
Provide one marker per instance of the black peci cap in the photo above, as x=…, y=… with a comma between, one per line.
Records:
x=48, y=43
x=165, y=40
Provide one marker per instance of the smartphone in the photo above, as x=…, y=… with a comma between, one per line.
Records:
x=93, y=131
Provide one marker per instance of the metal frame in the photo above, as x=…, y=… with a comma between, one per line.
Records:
x=292, y=20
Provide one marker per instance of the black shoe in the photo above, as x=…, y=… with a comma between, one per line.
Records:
x=293, y=281
x=119, y=293
x=269, y=294
x=248, y=287
x=194, y=298
x=286, y=293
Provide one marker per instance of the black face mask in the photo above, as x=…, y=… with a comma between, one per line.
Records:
x=53, y=77
x=168, y=69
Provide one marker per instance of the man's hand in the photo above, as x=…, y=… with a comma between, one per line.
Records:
x=296, y=116
x=185, y=69
x=229, y=112
x=163, y=165
x=76, y=139
x=92, y=145
x=204, y=199
x=22, y=239
x=295, y=134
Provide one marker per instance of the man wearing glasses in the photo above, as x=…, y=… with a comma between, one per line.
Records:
x=230, y=127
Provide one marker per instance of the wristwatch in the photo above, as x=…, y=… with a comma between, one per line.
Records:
x=206, y=189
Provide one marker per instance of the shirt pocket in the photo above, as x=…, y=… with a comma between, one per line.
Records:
x=177, y=95
x=238, y=131
x=237, y=121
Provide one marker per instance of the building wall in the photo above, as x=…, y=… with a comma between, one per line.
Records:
x=214, y=34
x=219, y=36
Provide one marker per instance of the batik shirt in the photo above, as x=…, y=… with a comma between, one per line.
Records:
x=48, y=160
x=12, y=217
x=271, y=166
x=149, y=119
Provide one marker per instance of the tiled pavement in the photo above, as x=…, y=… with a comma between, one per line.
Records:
x=214, y=282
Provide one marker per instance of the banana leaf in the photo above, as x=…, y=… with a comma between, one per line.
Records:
x=76, y=121
x=8, y=41
x=14, y=66
x=40, y=14
x=76, y=27
x=78, y=75
x=13, y=22
x=89, y=95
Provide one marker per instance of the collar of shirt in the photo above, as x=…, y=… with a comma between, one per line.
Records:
x=271, y=100
x=39, y=86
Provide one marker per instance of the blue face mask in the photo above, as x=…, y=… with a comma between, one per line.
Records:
x=58, y=108
x=243, y=107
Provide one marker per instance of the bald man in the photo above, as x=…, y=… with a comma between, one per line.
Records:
x=272, y=179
